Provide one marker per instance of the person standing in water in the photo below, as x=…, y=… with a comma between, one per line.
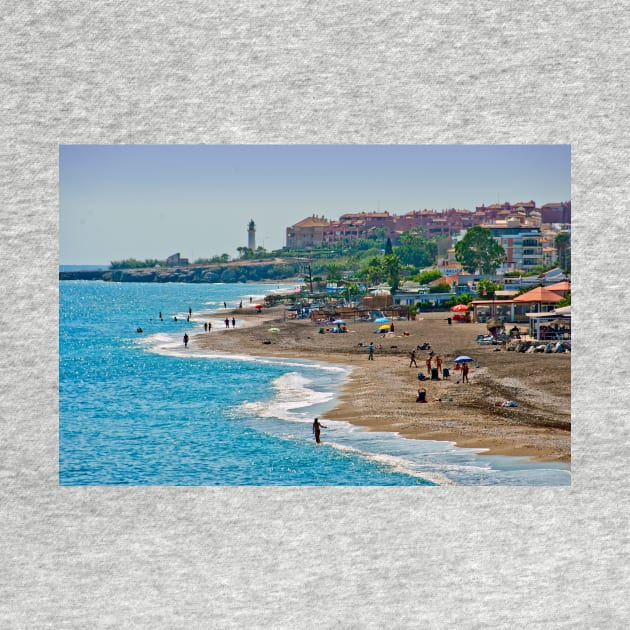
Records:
x=316, y=429
x=185, y=340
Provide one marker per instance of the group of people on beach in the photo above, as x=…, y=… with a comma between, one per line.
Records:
x=207, y=326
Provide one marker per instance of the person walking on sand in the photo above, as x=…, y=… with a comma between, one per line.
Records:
x=429, y=364
x=465, y=373
x=371, y=352
x=438, y=364
x=233, y=323
x=209, y=326
x=185, y=340
x=316, y=429
x=205, y=326
x=227, y=322
x=412, y=356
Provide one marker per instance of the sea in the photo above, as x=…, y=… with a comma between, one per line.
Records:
x=139, y=408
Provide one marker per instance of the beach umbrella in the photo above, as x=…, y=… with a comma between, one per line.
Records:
x=339, y=321
x=258, y=305
x=381, y=320
x=382, y=328
x=459, y=308
x=463, y=359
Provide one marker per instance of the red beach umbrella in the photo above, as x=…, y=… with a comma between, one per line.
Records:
x=258, y=305
x=459, y=308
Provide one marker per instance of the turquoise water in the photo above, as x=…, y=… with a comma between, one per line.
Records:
x=140, y=409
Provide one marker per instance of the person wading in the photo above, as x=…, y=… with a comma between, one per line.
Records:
x=316, y=429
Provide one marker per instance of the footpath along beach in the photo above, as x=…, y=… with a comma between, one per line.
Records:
x=381, y=394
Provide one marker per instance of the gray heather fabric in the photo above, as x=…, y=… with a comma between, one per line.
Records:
x=306, y=72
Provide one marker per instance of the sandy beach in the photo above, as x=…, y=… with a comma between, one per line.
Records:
x=381, y=394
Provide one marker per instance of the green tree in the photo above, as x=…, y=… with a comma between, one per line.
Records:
x=415, y=249
x=391, y=265
x=333, y=272
x=428, y=276
x=388, y=247
x=563, y=249
x=245, y=253
x=373, y=272
x=479, y=252
x=486, y=289
x=565, y=301
x=464, y=298
x=442, y=287
x=351, y=290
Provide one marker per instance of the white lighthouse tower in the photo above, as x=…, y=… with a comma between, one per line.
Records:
x=251, y=235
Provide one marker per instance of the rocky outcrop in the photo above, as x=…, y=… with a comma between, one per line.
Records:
x=228, y=273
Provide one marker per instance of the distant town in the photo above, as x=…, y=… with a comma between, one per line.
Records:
x=425, y=258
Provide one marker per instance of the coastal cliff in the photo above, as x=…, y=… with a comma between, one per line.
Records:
x=229, y=272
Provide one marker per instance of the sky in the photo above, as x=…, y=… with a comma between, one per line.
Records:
x=151, y=201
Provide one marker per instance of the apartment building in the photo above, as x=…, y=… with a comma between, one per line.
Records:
x=308, y=233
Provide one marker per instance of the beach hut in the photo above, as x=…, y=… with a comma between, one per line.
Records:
x=540, y=299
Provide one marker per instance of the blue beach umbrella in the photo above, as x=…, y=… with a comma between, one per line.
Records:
x=382, y=320
x=463, y=359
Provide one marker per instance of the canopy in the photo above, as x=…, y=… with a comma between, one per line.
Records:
x=459, y=308
x=463, y=359
x=381, y=320
x=539, y=294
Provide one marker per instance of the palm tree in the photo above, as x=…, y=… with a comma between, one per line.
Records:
x=563, y=249
x=391, y=264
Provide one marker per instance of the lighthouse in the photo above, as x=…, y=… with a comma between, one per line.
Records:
x=251, y=235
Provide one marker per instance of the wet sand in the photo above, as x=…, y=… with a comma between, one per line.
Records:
x=381, y=394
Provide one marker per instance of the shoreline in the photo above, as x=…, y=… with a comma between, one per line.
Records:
x=380, y=395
